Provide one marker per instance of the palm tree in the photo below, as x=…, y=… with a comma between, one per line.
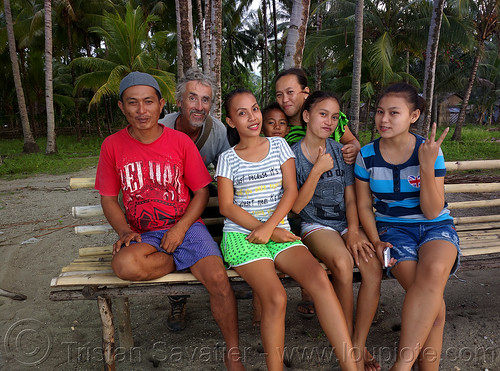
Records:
x=430, y=65
x=216, y=52
x=128, y=49
x=356, y=70
x=185, y=36
x=30, y=146
x=204, y=37
x=72, y=19
x=486, y=24
x=388, y=26
x=296, y=37
x=49, y=90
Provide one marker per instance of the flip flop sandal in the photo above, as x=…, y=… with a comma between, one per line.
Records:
x=307, y=309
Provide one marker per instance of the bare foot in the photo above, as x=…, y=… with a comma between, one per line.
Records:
x=371, y=363
x=232, y=360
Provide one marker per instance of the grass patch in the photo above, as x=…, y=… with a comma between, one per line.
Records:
x=72, y=156
x=477, y=144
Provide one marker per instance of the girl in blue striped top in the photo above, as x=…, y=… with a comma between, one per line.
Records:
x=401, y=175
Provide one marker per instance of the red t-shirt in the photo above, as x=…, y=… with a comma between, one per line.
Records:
x=155, y=178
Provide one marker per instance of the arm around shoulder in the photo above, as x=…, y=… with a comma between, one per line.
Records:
x=351, y=146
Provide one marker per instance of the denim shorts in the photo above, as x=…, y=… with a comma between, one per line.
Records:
x=407, y=239
x=197, y=244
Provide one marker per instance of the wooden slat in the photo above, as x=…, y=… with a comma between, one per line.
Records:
x=94, y=258
x=108, y=272
x=87, y=211
x=213, y=202
x=472, y=187
x=471, y=204
x=477, y=226
x=91, y=265
x=77, y=183
x=87, y=268
x=213, y=221
x=95, y=279
x=93, y=229
x=479, y=244
x=478, y=235
x=95, y=250
x=472, y=165
x=481, y=250
x=460, y=220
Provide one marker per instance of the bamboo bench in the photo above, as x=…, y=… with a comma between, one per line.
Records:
x=90, y=277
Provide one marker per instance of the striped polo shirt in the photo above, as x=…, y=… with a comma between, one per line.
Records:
x=396, y=188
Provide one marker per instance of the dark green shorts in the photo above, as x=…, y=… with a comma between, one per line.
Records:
x=236, y=250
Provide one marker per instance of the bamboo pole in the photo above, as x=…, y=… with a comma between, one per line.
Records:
x=481, y=250
x=108, y=333
x=87, y=211
x=77, y=183
x=459, y=220
x=472, y=165
x=95, y=250
x=478, y=226
x=472, y=204
x=93, y=229
x=472, y=187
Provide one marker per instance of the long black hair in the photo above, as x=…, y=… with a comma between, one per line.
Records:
x=409, y=92
x=316, y=97
x=232, y=134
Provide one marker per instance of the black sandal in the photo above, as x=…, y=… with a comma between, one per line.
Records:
x=309, y=311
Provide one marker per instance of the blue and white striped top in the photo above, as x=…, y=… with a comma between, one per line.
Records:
x=258, y=186
x=396, y=188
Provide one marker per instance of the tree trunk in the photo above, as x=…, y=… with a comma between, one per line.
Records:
x=435, y=110
x=185, y=26
x=49, y=89
x=73, y=78
x=265, y=56
x=30, y=146
x=319, y=59
x=180, y=67
x=208, y=37
x=356, y=70
x=430, y=66
x=205, y=60
x=216, y=53
x=457, y=134
x=275, y=33
x=295, y=40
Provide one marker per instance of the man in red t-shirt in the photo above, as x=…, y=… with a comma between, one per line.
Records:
x=155, y=167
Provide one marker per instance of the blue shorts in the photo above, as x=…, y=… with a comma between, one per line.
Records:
x=407, y=239
x=197, y=244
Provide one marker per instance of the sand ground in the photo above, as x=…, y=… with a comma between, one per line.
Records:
x=40, y=334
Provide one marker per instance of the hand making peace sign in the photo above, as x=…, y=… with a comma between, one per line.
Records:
x=428, y=151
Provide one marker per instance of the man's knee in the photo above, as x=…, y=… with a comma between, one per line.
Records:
x=211, y=272
x=127, y=269
x=218, y=282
